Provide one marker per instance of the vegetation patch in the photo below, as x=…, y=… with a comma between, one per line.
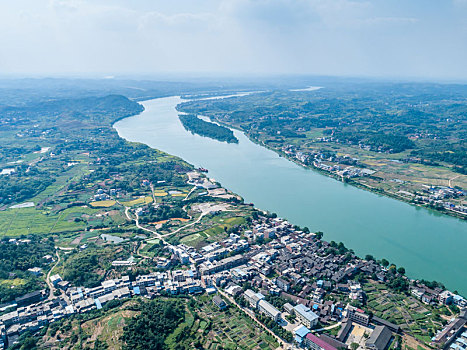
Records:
x=138, y=201
x=203, y=128
x=104, y=204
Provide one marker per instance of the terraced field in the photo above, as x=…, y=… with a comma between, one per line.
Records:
x=216, y=329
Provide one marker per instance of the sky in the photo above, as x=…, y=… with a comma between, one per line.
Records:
x=424, y=39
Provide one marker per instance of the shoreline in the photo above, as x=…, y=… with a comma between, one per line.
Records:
x=437, y=213
x=351, y=182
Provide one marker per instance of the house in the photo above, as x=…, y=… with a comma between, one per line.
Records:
x=219, y=302
x=357, y=315
x=382, y=322
x=344, y=331
x=30, y=298
x=427, y=298
x=333, y=342
x=36, y=271
x=269, y=310
x=63, y=285
x=300, y=333
x=313, y=342
x=445, y=297
x=48, y=258
x=283, y=284
x=306, y=317
x=416, y=292
x=211, y=290
x=55, y=279
x=109, y=285
x=288, y=307
x=379, y=338
x=253, y=298
x=233, y=290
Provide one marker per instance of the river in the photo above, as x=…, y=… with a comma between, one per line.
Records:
x=429, y=245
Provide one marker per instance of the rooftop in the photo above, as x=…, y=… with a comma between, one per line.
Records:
x=301, y=331
x=321, y=343
x=379, y=338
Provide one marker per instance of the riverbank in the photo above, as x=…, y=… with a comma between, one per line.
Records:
x=368, y=224
x=359, y=185
x=350, y=181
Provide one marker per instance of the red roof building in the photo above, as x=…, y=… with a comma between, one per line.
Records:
x=316, y=343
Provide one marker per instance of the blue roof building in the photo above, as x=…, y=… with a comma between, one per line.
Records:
x=300, y=333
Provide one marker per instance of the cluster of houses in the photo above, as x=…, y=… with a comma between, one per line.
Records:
x=36, y=310
x=436, y=195
x=440, y=196
x=104, y=195
x=100, y=195
x=381, y=331
x=344, y=166
x=33, y=311
x=442, y=192
x=436, y=295
x=272, y=258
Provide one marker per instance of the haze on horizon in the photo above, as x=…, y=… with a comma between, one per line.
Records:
x=392, y=39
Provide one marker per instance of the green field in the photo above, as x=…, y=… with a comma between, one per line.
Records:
x=213, y=233
x=216, y=329
x=416, y=318
x=16, y=222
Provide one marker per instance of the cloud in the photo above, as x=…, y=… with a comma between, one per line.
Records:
x=352, y=37
x=390, y=20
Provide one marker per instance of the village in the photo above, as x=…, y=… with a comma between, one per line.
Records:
x=345, y=167
x=311, y=288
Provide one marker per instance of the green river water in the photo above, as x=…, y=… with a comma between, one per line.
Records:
x=429, y=245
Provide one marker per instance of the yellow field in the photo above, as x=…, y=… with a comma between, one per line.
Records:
x=141, y=200
x=178, y=195
x=104, y=204
x=160, y=193
x=173, y=219
x=159, y=222
x=180, y=219
x=374, y=162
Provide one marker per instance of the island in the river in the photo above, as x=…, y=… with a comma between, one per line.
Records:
x=201, y=127
x=403, y=140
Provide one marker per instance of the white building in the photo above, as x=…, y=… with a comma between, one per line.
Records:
x=269, y=310
x=253, y=298
x=306, y=317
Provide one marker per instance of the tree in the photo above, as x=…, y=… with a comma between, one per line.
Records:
x=401, y=270
x=384, y=262
x=319, y=235
x=354, y=346
x=149, y=329
x=369, y=257
x=99, y=345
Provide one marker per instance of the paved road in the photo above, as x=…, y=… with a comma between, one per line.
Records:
x=47, y=280
x=188, y=195
x=283, y=345
x=328, y=327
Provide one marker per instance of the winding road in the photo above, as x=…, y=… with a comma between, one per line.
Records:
x=47, y=280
